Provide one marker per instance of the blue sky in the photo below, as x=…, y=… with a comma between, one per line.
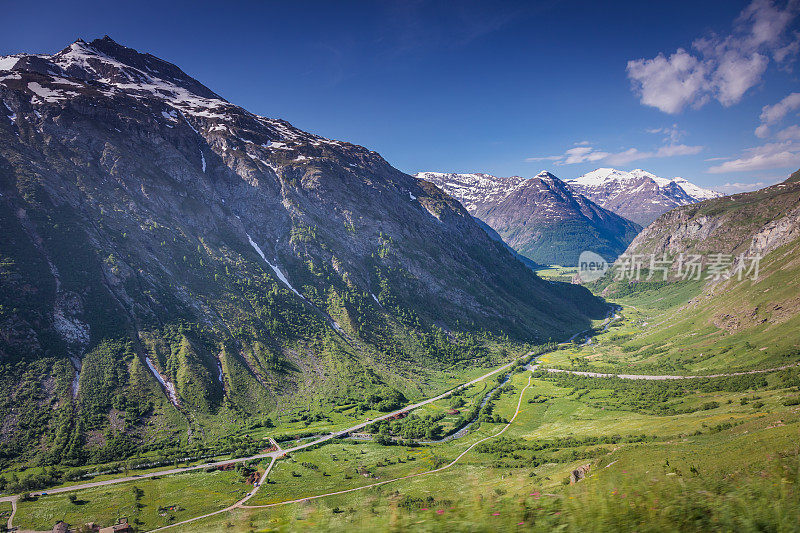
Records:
x=677, y=88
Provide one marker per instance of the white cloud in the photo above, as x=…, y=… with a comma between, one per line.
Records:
x=772, y=114
x=672, y=150
x=792, y=133
x=767, y=156
x=585, y=154
x=789, y=51
x=733, y=188
x=720, y=68
x=671, y=133
x=669, y=83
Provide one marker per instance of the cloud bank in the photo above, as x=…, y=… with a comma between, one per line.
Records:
x=717, y=67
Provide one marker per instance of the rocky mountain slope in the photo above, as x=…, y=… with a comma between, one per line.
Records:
x=638, y=195
x=541, y=217
x=172, y=264
x=743, y=309
x=751, y=222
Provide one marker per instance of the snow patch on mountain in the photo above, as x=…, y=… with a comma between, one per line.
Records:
x=8, y=62
x=474, y=189
x=605, y=177
x=274, y=268
x=638, y=195
x=168, y=386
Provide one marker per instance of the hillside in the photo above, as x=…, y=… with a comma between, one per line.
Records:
x=638, y=195
x=744, y=318
x=174, y=266
x=540, y=217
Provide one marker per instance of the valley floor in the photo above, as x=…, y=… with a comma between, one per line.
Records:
x=688, y=454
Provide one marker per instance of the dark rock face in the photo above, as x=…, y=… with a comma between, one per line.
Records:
x=192, y=257
x=541, y=217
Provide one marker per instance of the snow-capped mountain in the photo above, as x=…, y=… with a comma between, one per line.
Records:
x=541, y=217
x=473, y=190
x=638, y=195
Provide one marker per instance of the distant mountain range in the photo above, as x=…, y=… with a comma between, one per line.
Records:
x=542, y=217
x=638, y=195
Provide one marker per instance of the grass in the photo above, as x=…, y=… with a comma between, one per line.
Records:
x=557, y=273
x=5, y=512
x=192, y=494
x=696, y=455
x=492, y=489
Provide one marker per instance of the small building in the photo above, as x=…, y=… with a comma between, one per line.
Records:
x=121, y=527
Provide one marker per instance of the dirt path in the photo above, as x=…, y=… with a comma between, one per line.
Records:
x=660, y=377
x=229, y=508
x=419, y=474
x=241, y=503
x=13, y=512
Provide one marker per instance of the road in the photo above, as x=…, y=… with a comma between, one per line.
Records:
x=13, y=512
x=241, y=503
x=274, y=454
x=661, y=377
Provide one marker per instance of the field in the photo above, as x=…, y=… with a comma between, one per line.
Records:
x=691, y=454
x=521, y=476
x=557, y=273
x=158, y=502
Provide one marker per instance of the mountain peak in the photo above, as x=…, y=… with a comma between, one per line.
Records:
x=638, y=195
x=533, y=214
x=108, y=62
x=545, y=175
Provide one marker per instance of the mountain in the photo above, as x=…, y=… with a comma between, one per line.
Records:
x=175, y=267
x=638, y=195
x=745, y=321
x=751, y=222
x=541, y=217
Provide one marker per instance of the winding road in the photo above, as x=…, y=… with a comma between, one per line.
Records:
x=274, y=455
x=279, y=452
x=241, y=503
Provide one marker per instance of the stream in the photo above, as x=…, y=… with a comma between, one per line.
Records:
x=613, y=315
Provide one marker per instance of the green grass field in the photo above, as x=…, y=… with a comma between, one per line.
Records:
x=507, y=479
x=161, y=501
x=690, y=455
x=557, y=273
x=634, y=483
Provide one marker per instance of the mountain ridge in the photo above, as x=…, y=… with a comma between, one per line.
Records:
x=173, y=258
x=540, y=217
x=638, y=195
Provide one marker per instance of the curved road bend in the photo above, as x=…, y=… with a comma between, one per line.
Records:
x=240, y=504
x=273, y=454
